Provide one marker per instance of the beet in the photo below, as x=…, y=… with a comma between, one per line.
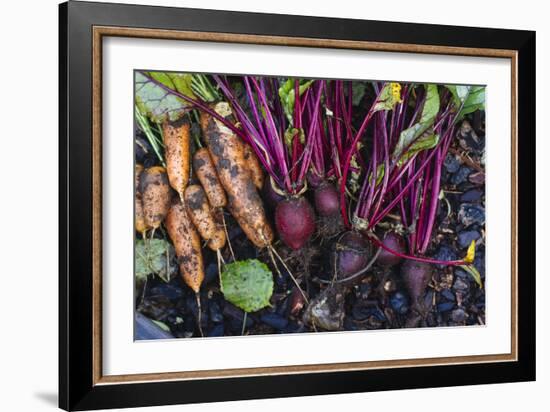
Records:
x=270, y=196
x=416, y=276
x=314, y=180
x=352, y=253
x=327, y=200
x=394, y=242
x=295, y=221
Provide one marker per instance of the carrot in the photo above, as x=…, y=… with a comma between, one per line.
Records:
x=206, y=173
x=176, y=142
x=200, y=211
x=256, y=171
x=217, y=242
x=260, y=238
x=227, y=152
x=140, y=225
x=187, y=245
x=156, y=195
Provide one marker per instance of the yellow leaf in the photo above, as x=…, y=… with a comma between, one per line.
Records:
x=396, y=92
x=471, y=253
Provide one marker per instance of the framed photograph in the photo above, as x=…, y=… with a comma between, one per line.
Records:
x=256, y=205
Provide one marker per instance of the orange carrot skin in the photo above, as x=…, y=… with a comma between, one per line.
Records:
x=261, y=237
x=176, y=151
x=256, y=171
x=227, y=152
x=156, y=195
x=206, y=173
x=200, y=211
x=140, y=225
x=217, y=242
x=187, y=245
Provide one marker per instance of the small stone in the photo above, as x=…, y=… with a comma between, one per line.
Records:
x=445, y=307
x=461, y=273
x=466, y=237
x=167, y=290
x=399, y=302
x=470, y=214
x=274, y=320
x=294, y=327
x=217, y=330
x=210, y=273
x=326, y=310
x=363, y=291
x=471, y=196
x=460, y=285
x=461, y=175
x=452, y=163
x=447, y=294
x=477, y=178
x=459, y=315
x=216, y=315
x=445, y=253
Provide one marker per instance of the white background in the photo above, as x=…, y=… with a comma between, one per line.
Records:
x=28, y=299
x=122, y=356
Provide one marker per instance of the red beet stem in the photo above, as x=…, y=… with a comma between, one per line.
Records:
x=416, y=258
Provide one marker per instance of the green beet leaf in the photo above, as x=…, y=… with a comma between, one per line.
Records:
x=471, y=269
x=467, y=99
x=387, y=98
x=428, y=140
x=154, y=256
x=410, y=135
x=157, y=103
x=247, y=284
x=286, y=94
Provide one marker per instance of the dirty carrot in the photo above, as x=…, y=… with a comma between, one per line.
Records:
x=227, y=152
x=206, y=173
x=187, y=245
x=200, y=211
x=156, y=195
x=176, y=142
x=253, y=163
x=140, y=225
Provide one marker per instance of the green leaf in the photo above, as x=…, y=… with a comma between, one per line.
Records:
x=426, y=141
x=379, y=174
x=287, y=95
x=389, y=97
x=161, y=325
x=355, y=175
x=427, y=118
x=291, y=133
x=154, y=256
x=471, y=269
x=247, y=284
x=358, y=90
x=157, y=103
x=470, y=98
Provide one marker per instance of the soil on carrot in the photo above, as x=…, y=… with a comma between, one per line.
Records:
x=378, y=299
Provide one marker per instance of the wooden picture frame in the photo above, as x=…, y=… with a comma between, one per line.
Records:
x=82, y=28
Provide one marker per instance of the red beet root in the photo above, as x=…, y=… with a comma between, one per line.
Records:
x=326, y=200
x=394, y=242
x=416, y=276
x=295, y=221
x=353, y=254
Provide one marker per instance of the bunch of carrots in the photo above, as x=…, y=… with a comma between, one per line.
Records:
x=301, y=134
